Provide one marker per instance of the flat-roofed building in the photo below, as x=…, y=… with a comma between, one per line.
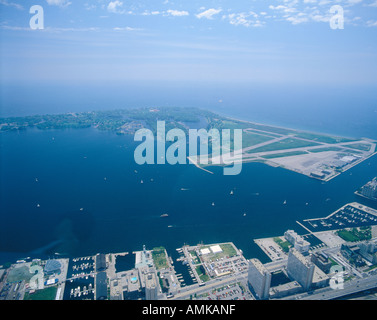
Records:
x=285, y=289
x=259, y=279
x=300, y=269
x=290, y=236
x=302, y=245
x=320, y=279
x=368, y=250
x=151, y=287
x=52, y=266
x=370, y=189
x=321, y=261
x=101, y=286
x=101, y=262
x=297, y=241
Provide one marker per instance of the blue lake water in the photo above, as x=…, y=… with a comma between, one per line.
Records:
x=47, y=177
x=76, y=192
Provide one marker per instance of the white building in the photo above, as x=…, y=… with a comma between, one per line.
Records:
x=300, y=269
x=259, y=278
x=297, y=241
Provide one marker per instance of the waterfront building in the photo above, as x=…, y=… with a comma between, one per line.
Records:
x=259, y=279
x=151, y=287
x=297, y=241
x=101, y=262
x=300, y=269
x=52, y=266
x=101, y=286
x=368, y=250
x=370, y=189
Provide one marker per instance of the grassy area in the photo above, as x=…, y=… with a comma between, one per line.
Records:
x=352, y=151
x=159, y=258
x=284, y=154
x=44, y=294
x=227, y=251
x=289, y=143
x=360, y=146
x=251, y=139
x=270, y=129
x=325, y=149
x=355, y=234
x=201, y=273
x=321, y=138
x=333, y=262
x=284, y=245
x=229, y=124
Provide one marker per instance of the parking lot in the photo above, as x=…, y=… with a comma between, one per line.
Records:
x=235, y=291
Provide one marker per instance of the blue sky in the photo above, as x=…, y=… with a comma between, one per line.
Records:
x=260, y=41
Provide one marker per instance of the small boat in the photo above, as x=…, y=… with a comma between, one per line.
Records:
x=213, y=204
x=231, y=192
x=285, y=202
x=141, y=181
x=81, y=209
x=36, y=179
x=170, y=226
x=244, y=214
x=164, y=215
x=38, y=205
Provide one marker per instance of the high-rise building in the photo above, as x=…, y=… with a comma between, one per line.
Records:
x=259, y=278
x=150, y=287
x=370, y=189
x=368, y=250
x=101, y=286
x=300, y=269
